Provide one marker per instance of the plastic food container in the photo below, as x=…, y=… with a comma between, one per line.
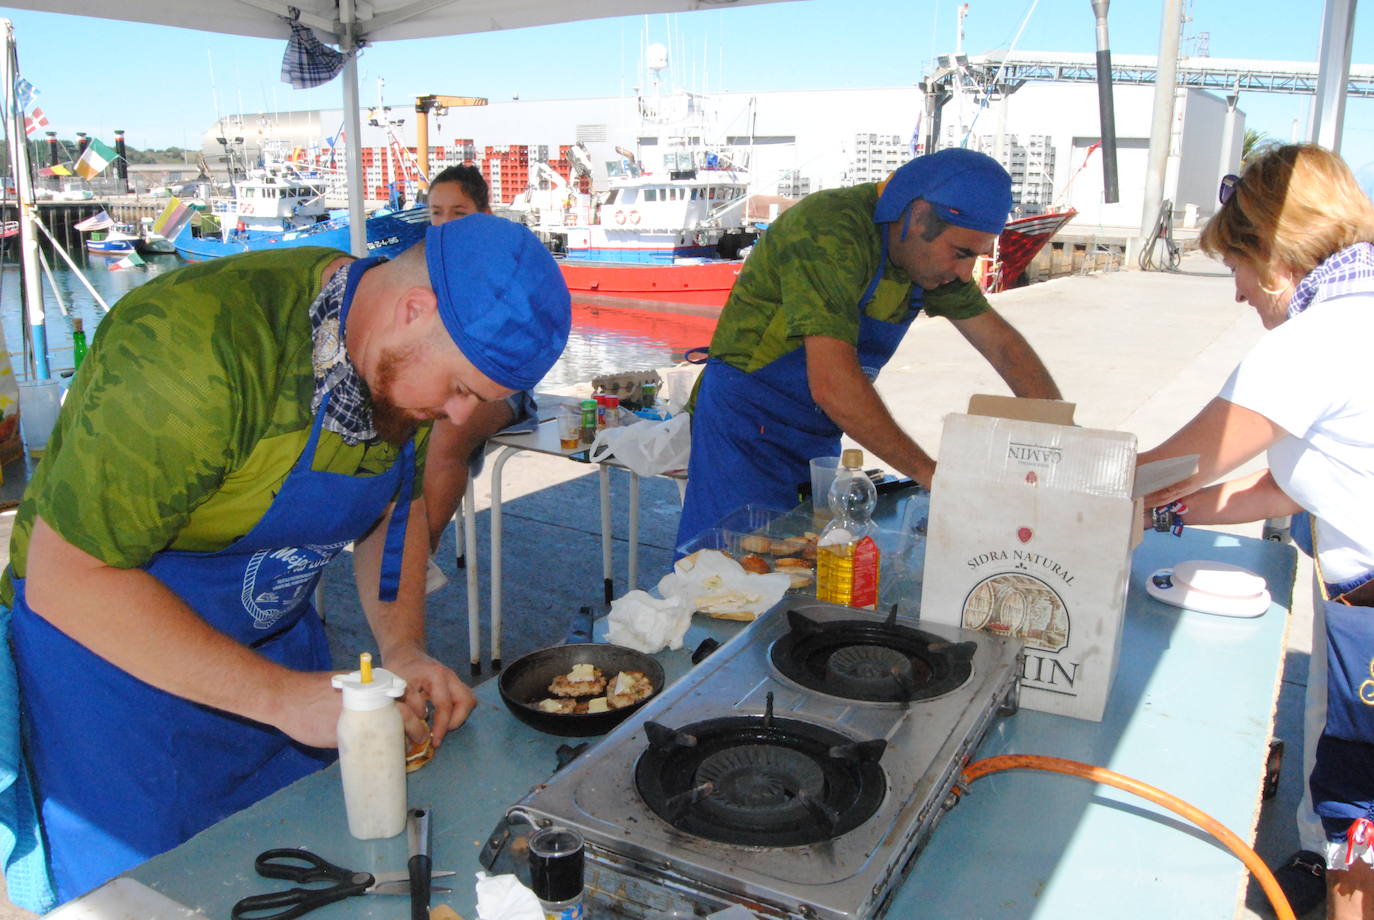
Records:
x=773, y=535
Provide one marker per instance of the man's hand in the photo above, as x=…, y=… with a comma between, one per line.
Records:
x=428, y=681
x=309, y=708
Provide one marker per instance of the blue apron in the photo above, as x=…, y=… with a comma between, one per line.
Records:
x=754, y=434
x=125, y=771
x=1342, y=781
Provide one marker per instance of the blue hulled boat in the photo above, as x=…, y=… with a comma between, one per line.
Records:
x=279, y=206
x=387, y=235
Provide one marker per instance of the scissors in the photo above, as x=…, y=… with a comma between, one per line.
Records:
x=297, y=865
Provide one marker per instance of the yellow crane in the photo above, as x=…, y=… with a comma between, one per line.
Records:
x=424, y=105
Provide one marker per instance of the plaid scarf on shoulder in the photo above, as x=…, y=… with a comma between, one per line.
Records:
x=349, y=414
x=1349, y=271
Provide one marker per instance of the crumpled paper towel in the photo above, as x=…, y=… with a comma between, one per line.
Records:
x=502, y=897
x=716, y=584
x=646, y=623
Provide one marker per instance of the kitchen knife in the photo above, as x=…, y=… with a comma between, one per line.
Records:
x=420, y=865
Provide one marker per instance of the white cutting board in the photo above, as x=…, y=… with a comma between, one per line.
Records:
x=124, y=899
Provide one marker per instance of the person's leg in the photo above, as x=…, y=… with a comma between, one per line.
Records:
x=446, y=464
x=1350, y=893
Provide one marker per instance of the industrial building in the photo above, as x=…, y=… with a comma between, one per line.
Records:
x=797, y=142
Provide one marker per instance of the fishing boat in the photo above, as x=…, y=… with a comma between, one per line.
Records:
x=1020, y=241
x=279, y=206
x=150, y=242
x=672, y=235
x=114, y=242
x=108, y=237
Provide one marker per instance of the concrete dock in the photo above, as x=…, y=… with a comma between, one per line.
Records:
x=1138, y=352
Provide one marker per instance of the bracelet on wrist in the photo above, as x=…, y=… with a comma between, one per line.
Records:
x=1169, y=518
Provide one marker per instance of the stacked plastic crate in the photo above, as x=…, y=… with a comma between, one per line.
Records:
x=506, y=169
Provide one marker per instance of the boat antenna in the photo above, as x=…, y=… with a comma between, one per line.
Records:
x=986, y=91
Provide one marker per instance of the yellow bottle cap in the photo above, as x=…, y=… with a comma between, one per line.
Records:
x=365, y=667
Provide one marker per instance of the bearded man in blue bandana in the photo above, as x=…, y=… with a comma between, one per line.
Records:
x=828, y=293
x=235, y=425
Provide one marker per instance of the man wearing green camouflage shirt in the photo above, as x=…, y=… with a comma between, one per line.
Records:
x=236, y=424
x=821, y=304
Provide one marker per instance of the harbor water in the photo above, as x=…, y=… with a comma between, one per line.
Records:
x=605, y=339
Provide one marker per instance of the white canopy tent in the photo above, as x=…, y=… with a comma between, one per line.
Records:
x=346, y=23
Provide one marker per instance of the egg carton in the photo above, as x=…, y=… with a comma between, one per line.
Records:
x=629, y=386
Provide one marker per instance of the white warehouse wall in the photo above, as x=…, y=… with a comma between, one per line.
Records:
x=812, y=133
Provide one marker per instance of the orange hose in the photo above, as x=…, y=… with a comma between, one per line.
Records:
x=978, y=769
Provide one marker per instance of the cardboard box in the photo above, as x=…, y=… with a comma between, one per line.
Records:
x=1032, y=523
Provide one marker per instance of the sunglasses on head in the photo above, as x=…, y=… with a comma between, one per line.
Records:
x=1228, y=187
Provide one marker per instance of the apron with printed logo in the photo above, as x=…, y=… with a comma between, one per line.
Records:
x=125, y=771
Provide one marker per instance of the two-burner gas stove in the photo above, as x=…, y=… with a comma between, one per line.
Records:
x=796, y=771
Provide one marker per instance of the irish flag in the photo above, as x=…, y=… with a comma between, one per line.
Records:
x=132, y=260
x=93, y=159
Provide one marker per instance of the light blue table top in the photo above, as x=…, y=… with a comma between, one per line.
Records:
x=1191, y=711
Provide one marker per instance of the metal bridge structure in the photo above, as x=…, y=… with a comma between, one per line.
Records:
x=998, y=73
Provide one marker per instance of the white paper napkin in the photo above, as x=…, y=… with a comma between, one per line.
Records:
x=646, y=623
x=502, y=897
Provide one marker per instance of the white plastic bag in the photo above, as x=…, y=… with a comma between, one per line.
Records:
x=647, y=448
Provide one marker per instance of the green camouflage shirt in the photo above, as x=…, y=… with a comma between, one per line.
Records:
x=807, y=274
x=188, y=413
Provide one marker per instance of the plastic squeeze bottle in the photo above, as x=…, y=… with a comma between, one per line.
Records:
x=847, y=557
x=372, y=751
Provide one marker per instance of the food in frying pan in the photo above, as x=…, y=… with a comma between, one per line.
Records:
x=582, y=680
x=565, y=706
x=585, y=689
x=628, y=688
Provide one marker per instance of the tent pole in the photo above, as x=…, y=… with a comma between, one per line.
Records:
x=23, y=190
x=353, y=150
x=1328, y=115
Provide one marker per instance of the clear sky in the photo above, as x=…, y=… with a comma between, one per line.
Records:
x=165, y=86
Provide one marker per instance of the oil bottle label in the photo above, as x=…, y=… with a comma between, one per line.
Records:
x=864, y=590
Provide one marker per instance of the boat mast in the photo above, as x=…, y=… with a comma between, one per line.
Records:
x=23, y=191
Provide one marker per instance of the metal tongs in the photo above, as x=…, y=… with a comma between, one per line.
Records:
x=419, y=864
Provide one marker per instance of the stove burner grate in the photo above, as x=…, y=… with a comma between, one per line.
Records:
x=760, y=784
x=872, y=671
x=760, y=781
x=870, y=660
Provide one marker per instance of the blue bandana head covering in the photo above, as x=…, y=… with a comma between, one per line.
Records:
x=501, y=297
x=964, y=188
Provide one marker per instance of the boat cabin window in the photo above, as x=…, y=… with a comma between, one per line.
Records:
x=612, y=195
x=696, y=193
x=651, y=194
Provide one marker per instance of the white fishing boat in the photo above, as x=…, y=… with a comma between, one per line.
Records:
x=670, y=225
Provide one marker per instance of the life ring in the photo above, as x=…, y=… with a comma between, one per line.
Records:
x=634, y=217
x=620, y=217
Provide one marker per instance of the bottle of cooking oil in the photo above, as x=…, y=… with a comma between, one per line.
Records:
x=847, y=556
